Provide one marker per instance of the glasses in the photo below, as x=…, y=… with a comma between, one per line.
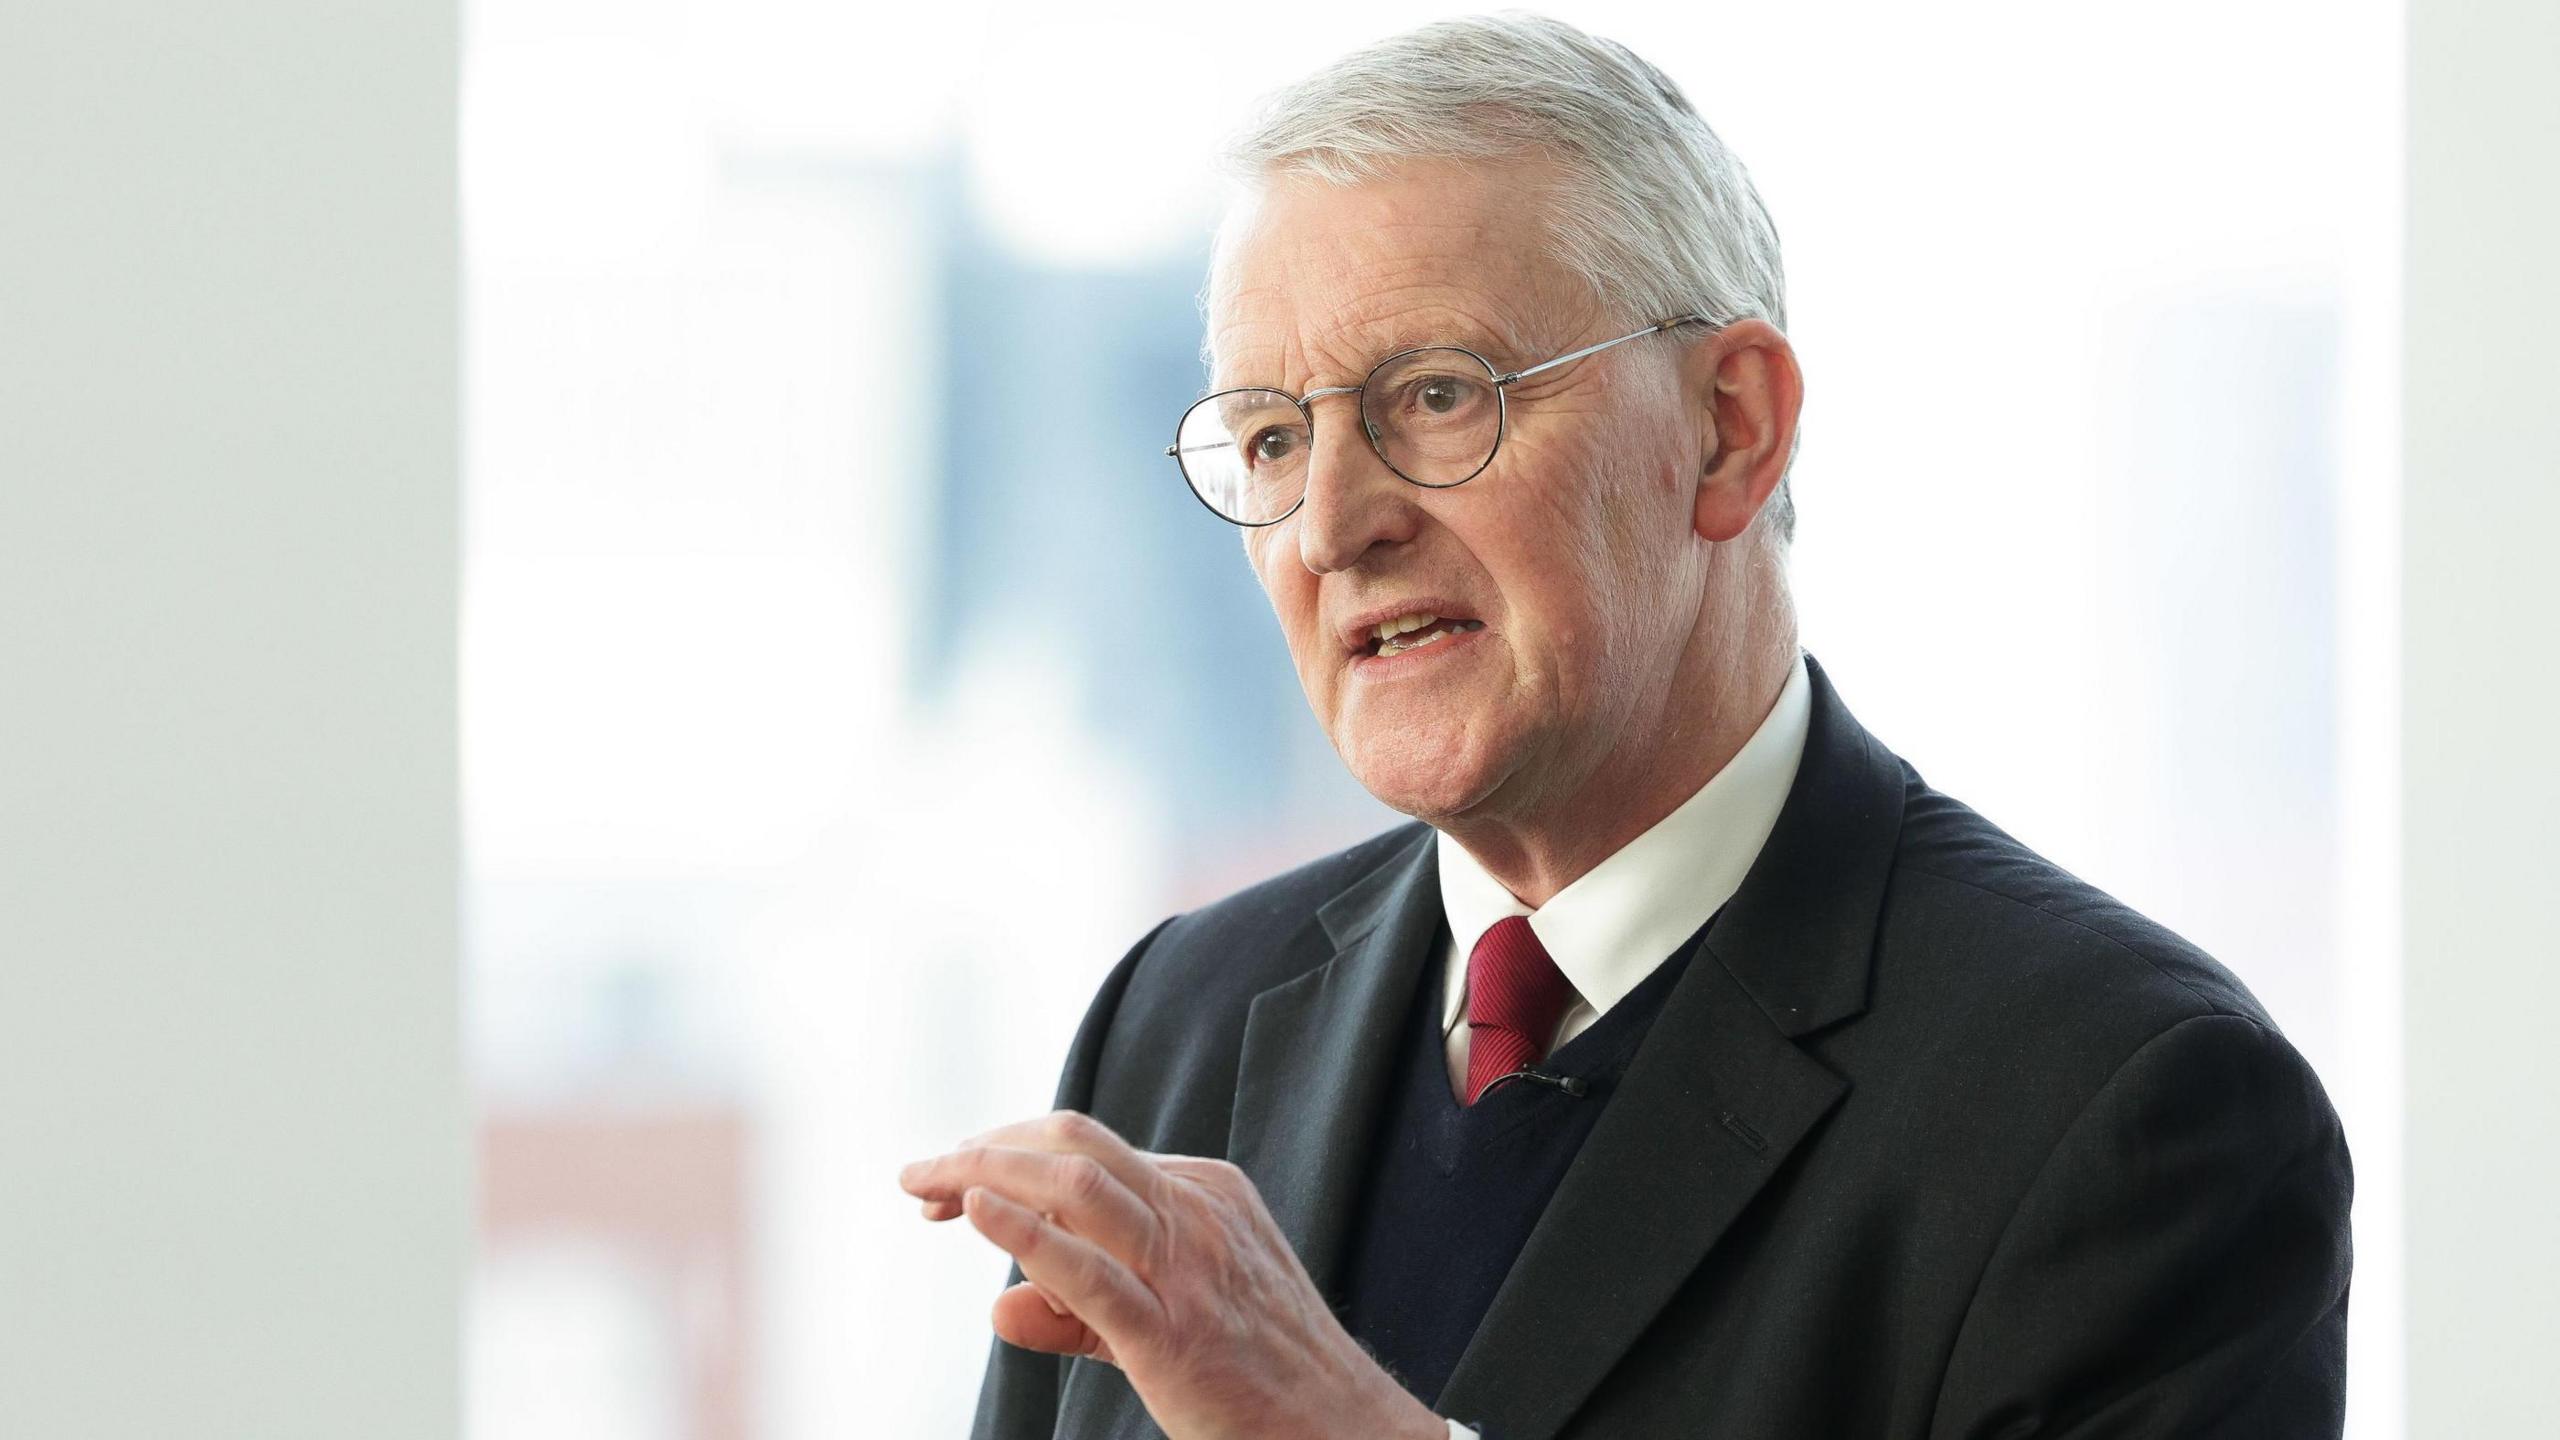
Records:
x=1435, y=414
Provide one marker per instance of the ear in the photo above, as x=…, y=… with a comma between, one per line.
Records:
x=1745, y=378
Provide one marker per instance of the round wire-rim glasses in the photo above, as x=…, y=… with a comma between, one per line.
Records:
x=1218, y=458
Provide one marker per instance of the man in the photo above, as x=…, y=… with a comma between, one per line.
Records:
x=1692, y=1068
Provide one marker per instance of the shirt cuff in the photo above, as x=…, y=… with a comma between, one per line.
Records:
x=1460, y=1432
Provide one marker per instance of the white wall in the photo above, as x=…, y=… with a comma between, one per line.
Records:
x=2482, y=584
x=232, y=1139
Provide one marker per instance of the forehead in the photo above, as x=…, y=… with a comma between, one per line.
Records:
x=1313, y=282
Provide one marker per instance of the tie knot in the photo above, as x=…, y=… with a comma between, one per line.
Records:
x=1514, y=985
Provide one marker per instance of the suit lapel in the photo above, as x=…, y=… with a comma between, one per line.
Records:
x=1715, y=1100
x=1319, y=1051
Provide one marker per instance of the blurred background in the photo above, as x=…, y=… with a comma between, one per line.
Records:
x=597, y=648
x=848, y=679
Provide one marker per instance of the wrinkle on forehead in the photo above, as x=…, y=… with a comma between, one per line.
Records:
x=1314, y=283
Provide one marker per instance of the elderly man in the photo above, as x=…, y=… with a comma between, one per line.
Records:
x=1693, y=1068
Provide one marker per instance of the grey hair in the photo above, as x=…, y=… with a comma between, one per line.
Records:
x=1649, y=208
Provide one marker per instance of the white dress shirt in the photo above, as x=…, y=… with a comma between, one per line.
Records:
x=1608, y=929
x=1611, y=927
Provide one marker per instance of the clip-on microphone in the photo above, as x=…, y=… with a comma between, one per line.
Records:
x=1572, y=1085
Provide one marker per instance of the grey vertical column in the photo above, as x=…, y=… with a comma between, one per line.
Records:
x=233, y=1141
x=2480, y=851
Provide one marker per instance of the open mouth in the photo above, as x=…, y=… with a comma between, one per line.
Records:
x=1412, y=632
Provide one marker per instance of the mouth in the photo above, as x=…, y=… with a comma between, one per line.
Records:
x=1401, y=626
x=1381, y=641
x=1400, y=634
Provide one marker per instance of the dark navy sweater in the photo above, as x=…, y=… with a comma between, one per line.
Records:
x=1453, y=1190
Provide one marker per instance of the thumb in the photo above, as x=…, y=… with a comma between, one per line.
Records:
x=1030, y=1317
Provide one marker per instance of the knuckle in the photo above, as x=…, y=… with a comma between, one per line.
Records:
x=1071, y=1126
x=1080, y=1177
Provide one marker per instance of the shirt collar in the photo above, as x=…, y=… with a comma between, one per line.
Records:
x=1610, y=928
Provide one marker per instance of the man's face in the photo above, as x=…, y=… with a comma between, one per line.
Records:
x=1570, y=564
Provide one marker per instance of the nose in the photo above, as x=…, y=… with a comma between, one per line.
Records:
x=1354, y=502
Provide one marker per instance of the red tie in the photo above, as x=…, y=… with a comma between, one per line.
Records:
x=1515, y=996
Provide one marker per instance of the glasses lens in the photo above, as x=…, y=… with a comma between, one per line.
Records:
x=1244, y=453
x=1435, y=415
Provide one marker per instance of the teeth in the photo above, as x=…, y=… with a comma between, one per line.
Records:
x=1399, y=646
x=1390, y=629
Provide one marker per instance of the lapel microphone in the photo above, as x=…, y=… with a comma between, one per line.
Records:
x=1569, y=1084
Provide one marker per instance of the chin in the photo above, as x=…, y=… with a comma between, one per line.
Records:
x=1428, y=778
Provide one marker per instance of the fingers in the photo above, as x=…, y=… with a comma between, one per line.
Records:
x=1076, y=1188
x=1079, y=1273
x=1027, y=1317
x=1072, y=1202
x=1072, y=1132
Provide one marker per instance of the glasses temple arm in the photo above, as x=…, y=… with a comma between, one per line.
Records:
x=1545, y=365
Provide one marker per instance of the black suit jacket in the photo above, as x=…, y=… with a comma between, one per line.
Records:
x=1930, y=1140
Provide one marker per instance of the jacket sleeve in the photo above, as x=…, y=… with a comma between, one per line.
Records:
x=2179, y=1266
x=1018, y=1400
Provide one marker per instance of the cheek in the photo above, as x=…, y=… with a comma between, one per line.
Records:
x=1600, y=548
x=1578, y=499
x=1266, y=552
x=1294, y=603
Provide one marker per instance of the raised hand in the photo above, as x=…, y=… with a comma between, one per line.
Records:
x=1171, y=1268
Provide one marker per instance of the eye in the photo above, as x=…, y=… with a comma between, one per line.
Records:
x=1271, y=446
x=1442, y=396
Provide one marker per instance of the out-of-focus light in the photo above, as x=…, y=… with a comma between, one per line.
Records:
x=880, y=82
x=582, y=155
x=638, y=712
x=1090, y=140
x=567, y=1338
